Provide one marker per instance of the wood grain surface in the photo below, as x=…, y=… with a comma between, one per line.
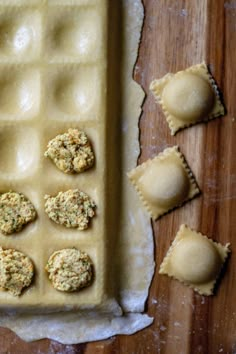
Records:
x=177, y=34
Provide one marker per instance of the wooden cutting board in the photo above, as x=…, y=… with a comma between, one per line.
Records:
x=178, y=34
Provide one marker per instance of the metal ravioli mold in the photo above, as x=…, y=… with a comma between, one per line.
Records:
x=53, y=76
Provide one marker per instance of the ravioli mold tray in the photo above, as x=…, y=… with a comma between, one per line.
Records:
x=54, y=76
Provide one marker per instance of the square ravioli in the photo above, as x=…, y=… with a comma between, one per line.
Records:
x=188, y=97
x=195, y=260
x=165, y=182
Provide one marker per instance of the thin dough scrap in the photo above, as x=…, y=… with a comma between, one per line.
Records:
x=188, y=97
x=70, y=270
x=71, y=152
x=15, y=212
x=16, y=271
x=165, y=182
x=72, y=208
x=195, y=260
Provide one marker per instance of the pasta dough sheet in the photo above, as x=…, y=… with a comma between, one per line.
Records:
x=134, y=246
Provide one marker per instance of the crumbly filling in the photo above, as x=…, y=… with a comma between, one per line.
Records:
x=71, y=152
x=16, y=271
x=15, y=212
x=70, y=269
x=72, y=208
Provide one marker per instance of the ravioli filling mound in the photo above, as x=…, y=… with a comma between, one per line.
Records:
x=16, y=271
x=70, y=269
x=15, y=212
x=71, y=152
x=72, y=208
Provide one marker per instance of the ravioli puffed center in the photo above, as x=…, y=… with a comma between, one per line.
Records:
x=165, y=184
x=188, y=97
x=195, y=260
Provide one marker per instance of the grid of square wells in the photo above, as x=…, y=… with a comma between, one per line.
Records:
x=52, y=77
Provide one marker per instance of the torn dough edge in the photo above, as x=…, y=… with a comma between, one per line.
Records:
x=206, y=288
x=193, y=188
x=174, y=123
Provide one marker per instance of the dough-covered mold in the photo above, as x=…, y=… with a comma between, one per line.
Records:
x=39, y=99
x=188, y=97
x=74, y=92
x=19, y=93
x=165, y=182
x=195, y=260
x=20, y=35
x=74, y=34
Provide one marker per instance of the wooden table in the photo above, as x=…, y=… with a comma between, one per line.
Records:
x=176, y=35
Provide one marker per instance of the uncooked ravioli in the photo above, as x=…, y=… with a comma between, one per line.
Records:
x=188, y=97
x=195, y=260
x=164, y=182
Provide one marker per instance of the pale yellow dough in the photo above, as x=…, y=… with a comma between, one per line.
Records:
x=56, y=97
x=195, y=260
x=188, y=97
x=164, y=182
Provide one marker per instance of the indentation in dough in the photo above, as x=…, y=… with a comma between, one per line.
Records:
x=19, y=93
x=188, y=97
x=165, y=183
x=78, y=35
x=20, y=34
x=76, y=93
x=14, y=39
x=196, y=260
x=15, y=144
